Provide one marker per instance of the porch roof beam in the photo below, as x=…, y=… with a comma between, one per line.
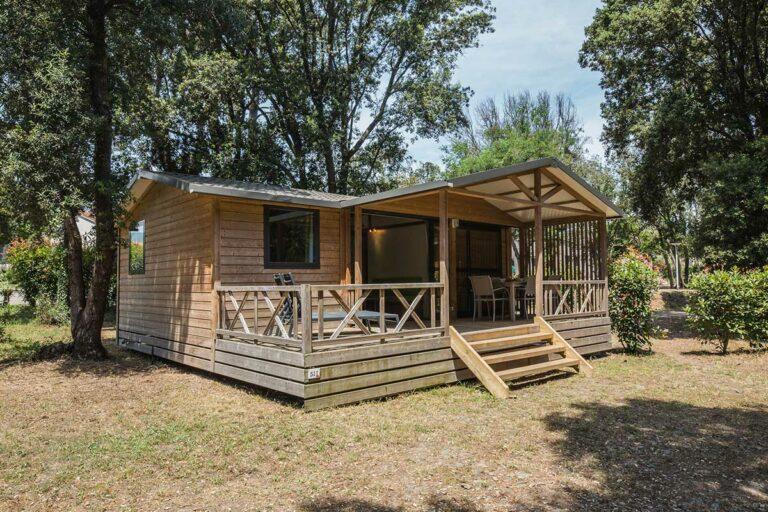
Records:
x=523, y=188
x=546, y=172
x=557, y=203
x=483, y=195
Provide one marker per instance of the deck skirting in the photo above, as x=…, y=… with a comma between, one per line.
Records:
x=336, y=377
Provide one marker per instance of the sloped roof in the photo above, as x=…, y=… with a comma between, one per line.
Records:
x=492, y=182
x=244, y=189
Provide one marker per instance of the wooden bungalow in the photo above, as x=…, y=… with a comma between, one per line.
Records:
x=373, y=294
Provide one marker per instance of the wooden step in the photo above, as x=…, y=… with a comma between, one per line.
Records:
x=475, y=363
x=534, y=369
x=510, y=342
x=526, y=353
x=500, y=332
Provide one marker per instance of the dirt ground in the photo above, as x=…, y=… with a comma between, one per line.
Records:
x=682, y=429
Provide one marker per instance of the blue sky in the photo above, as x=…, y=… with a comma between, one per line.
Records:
x=535, y=46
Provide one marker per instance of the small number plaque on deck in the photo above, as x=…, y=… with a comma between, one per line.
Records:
x=313, y=373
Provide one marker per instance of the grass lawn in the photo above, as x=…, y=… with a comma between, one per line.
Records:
x=682, y=429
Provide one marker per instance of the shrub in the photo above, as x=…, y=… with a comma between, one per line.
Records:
x=51, y=312
x=36, y=268
x=633, y=282
x=6, y=288
x=728, y=305
x=39, y=271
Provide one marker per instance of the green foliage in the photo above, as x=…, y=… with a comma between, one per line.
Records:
x=525, y=128
x=733, y=225
x=310, y=94
x=6, y=287
x=36, y=268
x=729, y=305
x=51, y=311
x=685, y=96
x=632, y=283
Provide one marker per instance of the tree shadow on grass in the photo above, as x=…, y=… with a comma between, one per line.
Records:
x=713, y=352
x=662, y=455
x=434, y=504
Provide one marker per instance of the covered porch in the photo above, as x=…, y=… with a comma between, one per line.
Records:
x=536, y=229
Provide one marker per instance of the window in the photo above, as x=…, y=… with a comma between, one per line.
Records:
x=136, y=249
x=291, y=238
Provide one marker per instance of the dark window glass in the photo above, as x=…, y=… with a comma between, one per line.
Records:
x=292, y=237
x=136, y=249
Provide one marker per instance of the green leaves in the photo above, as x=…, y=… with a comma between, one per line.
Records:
x=685, y=94
x=632, y=283
x=730, y=305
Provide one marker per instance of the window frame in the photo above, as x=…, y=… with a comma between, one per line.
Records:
x=268, y=263
x=131, y=230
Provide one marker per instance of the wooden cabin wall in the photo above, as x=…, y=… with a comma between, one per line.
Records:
x=167, y=310
x=242, y=247
x=241, y=254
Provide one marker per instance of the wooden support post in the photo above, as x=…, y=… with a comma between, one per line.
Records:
x=117, y=291
x=306, y=318
x=344, y=245
x=216, y=304
x=524, y=270
x=443, y=256
x=453, y=300
x=602, y=225
x=603, y=235
x=539, y=235
x=358, y=263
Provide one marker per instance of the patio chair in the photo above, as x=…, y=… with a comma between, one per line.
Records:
x=483, y=292
x=528, y=298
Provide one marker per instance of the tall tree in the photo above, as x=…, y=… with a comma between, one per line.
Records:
x=60, y=92
x=314, y=94
x=525, y=127
x=686, y=91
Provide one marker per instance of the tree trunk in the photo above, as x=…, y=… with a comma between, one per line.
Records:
x=670, y=270
x=724, y=345
x=73, y=245
x=86, y=330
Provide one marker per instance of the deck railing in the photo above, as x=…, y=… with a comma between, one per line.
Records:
x=340, y=316
x=575, y=298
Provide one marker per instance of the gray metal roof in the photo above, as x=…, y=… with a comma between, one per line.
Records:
x=261, y=191
x=243, y=189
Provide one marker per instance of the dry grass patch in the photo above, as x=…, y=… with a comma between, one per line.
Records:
x=676, y=430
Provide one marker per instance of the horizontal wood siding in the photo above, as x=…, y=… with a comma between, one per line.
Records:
x=353, y=375
x=587, y=335
x=242, y=254
x=167, y=310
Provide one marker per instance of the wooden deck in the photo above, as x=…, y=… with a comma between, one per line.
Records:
x=264, y=339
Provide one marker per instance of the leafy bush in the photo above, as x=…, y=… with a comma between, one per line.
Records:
x=6, y=288
x=36, y=268
x=39, y=271
x=728, y=305
x=633, y=282
x=51, y=312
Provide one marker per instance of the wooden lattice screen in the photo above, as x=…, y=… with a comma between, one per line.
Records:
x=571, y=251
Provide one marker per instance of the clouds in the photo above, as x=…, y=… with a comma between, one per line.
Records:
x=535, y=46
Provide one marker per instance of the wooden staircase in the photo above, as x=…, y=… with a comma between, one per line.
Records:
x=497, y=356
